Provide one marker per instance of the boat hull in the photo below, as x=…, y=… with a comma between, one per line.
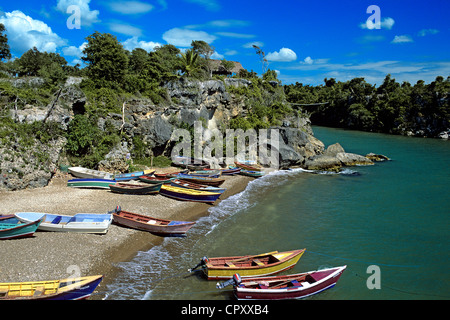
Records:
x=152, y=225
x=79, y=223
x=90, y=183
x=303, y=290
x=189, y=194
x=215, y=182
x=224, y=272
x=135, y=189
x=13, y=231
x=85, y=173
x=65, y=289
x=195, y=186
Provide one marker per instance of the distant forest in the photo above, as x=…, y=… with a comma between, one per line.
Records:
x=420, y=109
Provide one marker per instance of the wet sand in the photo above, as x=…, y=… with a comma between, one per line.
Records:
x=55, y=255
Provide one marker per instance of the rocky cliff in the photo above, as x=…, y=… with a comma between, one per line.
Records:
x=151, y=125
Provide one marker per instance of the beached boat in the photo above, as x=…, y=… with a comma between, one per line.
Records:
x=254, y=174
x=206, y=173
x=155, y=180
x=249, y=167
x=293, y=286
x=201, y=180
x=231, y=170
x=195, y=186
x=189, y=194
x=189, y=163
x=13, y=228
x=90, y=183
x=80, y=222
x=169, y=175
x=64, y=289
x=85, y=173
x=135, y=188
x=132, y=175
x=150, y=224
x=250, y=265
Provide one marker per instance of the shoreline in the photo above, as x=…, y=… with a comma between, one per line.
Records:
x=52, y=255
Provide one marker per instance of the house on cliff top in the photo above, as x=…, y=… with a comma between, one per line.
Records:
x=218, y=69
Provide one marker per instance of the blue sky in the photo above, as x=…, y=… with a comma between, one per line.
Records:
x=304, y=41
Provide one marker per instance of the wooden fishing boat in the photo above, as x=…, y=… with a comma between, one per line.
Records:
x=254, y=174
x=135, y=188
x=189, y=194
x=215, y=182
x=64, y=289
x=293, y=286
x=189, y=163
x=206, y=173
x=169, y=175
x=231, y=171
x=195, y=186
x=249, y=167
x=80, y=222
x=249, y=266
x=155, y=180
x=150, y=224
x=132, y=175
x=13, y=228
x=90, y=183
x=85, y=173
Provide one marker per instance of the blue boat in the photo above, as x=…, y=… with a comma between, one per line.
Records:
x=64, y=289
x=254, y=174
x=195, y=186
x=189, y=194
x=132, y=175
x=201, y=180
x=13, y=228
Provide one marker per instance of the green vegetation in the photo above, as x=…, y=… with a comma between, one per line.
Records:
x=114, y=75
x=390, y=108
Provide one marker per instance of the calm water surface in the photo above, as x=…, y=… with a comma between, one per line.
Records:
x=394, y=214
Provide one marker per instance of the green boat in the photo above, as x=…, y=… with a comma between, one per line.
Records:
x=90, y=183
x=12, y=228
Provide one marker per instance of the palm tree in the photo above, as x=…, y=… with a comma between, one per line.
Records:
x=189, y=62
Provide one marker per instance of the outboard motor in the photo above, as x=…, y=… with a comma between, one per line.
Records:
x=235, y=280
x=202, y=262
x=116, y=209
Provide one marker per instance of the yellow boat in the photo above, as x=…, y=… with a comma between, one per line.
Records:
x=63, y=289
x=189, y=194
x=249, y=266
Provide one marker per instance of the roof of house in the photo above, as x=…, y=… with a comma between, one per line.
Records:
x=216, y=66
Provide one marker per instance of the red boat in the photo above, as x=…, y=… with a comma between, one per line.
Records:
x=294, y=286
x=249, y=167
x=155, y=180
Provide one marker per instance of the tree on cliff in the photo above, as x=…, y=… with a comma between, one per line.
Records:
x=189, y=63
x=106, y=59
x=4, y=47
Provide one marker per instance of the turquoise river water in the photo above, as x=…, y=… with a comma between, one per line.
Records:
x=394, y=215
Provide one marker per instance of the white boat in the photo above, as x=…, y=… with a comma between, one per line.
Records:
x=80, y=222
x=85, y=173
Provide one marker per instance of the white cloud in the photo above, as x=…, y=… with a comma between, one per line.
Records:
x=402, y=39
x=211, y=5
x=133, y=43
x=424, y=32
x=236, y=35
x=285, y=54
x=125, y=29
x=25, y=33
x=231, y=52
x=130, y=7
x=308, y=60
x=73, y=51
x=217, y=56
x=88, y=16
x=183, y=37
x=385, y=23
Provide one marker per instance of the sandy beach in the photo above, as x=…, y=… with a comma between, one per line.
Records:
x=54, y=255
